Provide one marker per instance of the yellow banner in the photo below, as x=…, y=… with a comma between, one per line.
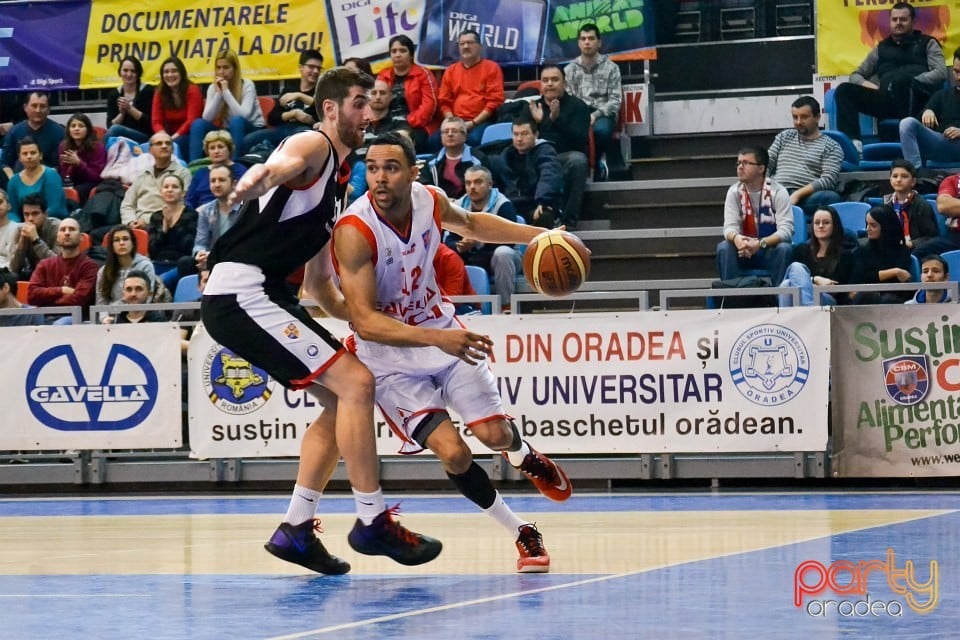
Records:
x=848, y=29
x=267, y=36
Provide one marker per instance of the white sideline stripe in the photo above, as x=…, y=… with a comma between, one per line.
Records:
x=467, y=603
x=34, y=596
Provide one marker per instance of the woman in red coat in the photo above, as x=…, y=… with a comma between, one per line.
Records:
x=414, y=91
x=177, y=102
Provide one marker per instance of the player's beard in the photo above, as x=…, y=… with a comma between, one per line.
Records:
x=349, y=135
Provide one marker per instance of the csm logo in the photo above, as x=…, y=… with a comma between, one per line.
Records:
x=61, y=397
x=5, y=32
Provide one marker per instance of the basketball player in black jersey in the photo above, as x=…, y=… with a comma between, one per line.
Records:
x=289, y=206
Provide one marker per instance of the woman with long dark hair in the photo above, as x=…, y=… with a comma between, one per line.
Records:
x=122, y=257
x=129, y=109
x=819, y=261
x=176, y=104
x=82, y=156
x=884, y=258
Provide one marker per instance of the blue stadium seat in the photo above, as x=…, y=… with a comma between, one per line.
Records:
x=851, y=157
x=853, y=216
x=480, y=282
x=879, y=155
x=799, y=225
x=188, y=289
x=497, y=131
x=914, y=268
x=952, y=259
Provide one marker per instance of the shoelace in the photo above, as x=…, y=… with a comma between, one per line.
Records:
x=538, y=467
x=531, y=541
x=397, y=529
x=317, y=527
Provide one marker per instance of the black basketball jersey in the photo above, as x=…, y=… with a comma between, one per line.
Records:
x=284, y=228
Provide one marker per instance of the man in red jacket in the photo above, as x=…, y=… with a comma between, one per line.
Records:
x=65, y=280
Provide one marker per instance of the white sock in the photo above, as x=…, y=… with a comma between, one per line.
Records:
x=369, y=505
x=500, y=512
x=516, y=457
x=303, y=505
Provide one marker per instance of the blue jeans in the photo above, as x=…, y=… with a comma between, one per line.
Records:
x=238, y=126
x=505, y=264
x=798, y=275
x=920, y=143
x=773, y=259
x=817, y=200
x=121, y=130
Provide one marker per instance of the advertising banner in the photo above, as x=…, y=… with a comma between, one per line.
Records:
x=848, y=29
x=895, y=383
x=65, y=44
x=604, y=383
x=91, y=387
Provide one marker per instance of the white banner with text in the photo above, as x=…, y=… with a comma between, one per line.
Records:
x=692, y=381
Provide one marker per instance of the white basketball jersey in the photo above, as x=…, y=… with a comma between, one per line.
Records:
x=407, y=288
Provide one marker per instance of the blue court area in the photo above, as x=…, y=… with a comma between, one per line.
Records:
x=879, y=565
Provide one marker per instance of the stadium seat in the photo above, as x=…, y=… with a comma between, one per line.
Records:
x=879, y=155
x=71, y=195
x=188, y=289
x=22, y=287
x=914, y=268
x=799, y=225
x=85, y=242
x=480, y=282
x=497, y=131
x=851, y=157
x=952, y=259
x=853, y=216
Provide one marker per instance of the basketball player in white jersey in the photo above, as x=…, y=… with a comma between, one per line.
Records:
x=407, y=335
x=290, y=205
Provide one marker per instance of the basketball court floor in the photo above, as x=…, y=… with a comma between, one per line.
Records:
x=671, y=565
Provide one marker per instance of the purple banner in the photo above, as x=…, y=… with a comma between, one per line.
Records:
x=41, y=44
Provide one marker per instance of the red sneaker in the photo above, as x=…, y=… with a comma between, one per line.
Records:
x=546, y=475
x=533, y=557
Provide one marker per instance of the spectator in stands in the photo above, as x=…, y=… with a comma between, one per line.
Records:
x=172, y=231
x=9, y=232
x=595, y=79
x=529, y=173
x=503, y=262
x=933, y=268
x=948, y=203
x=218, y=147
x=45, y=133
x=136, y=290
x=38, y=237
x=176, y=104
x=67, y=279
x=471, y=88
x=35, y=177
x=757, y=221
x=936, y=136
x=122, y=257
x=294, y=110
x=213, y=220
x=359, y=64
x=143, y=196
x=8, y=300
x=446, y=169
x=231, y=104
x=413, y=90
x=884, y=258
x=564, y=120
x=82, y=156
x=804, y=160
x=130, y=109
x=916, y=216
x=820, y=261
x=895, y=78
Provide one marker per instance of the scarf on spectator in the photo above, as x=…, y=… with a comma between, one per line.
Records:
x=750, y=222
x=902, y=211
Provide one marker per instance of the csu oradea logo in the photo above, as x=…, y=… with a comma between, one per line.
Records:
x=906, y=379
x=769, y=364
x=60, y=395
x=232, y=383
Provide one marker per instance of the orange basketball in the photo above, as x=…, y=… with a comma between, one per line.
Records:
x=556, y=263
